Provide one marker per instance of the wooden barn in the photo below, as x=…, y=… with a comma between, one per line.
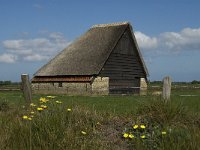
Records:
x=105, y=60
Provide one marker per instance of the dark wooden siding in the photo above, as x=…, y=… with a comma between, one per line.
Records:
x=124, y=67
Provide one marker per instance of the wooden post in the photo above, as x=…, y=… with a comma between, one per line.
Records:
x=166, y=88
x=26, y=88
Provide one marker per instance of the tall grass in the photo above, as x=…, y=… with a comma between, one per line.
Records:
x=58, y=128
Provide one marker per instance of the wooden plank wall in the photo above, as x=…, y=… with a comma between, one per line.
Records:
x=123, y=67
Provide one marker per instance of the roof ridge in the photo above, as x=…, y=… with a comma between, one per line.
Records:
x=110, y=24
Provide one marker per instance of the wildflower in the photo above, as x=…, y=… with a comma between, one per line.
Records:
x=50, y=96
x=58, y=102
x=43, y=100
x=125, y=135
x=163, y=132
x=142, y=136
x=83, y=132
x=32, y=112
x=69, y=109
x=39, y=109
x=135, y=126
x=32, y=104
x=25, y=117
x=142, y=126
x=131, y=136
x=43, y=106
x=29, y=118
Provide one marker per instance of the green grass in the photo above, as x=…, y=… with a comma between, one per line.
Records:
x=113, y=104
x=105, y=119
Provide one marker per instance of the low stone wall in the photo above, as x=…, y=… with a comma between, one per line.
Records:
x=100, y=86
x=66, y=88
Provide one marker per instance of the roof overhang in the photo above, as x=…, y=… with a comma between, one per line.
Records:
x=37, y=79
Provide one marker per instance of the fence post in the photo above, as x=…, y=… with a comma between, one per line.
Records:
x=26, y=88
x=166, y=88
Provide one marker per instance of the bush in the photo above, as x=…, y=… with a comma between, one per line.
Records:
x=195, y=82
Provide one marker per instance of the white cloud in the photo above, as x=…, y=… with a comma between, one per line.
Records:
x=21, y=52
x=27, y=44
x=186, y=39
x=169, y=42
x=8, y=58
x=36, y=49
x=12, y=44
x=35, y=57
x=145, y=41
x=56, y=35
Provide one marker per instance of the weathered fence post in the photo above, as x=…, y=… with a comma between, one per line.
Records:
x=26, y=88
x=166, y=88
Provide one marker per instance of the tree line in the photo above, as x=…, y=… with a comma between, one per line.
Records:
x=9, y=83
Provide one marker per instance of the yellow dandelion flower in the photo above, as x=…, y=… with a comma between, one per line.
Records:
x=25, y=117
x=163, y=132
x=39, y=109
x=29, y=118
x=125, y=135
x=32, y=104
x=131, y=136
x=69, y=109
x=142, y=136
x=83, y=132
x=58, y=102
x=43, y=106
x=43, y=100
x=32, y=112
x=142, y=126
x=135, y=126
x=50, y=96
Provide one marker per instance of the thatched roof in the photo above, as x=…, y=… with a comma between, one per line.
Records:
x=87, y=54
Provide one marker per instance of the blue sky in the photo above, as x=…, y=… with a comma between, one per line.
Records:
x=34, y=31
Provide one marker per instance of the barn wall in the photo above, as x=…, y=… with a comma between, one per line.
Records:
x=143, y=86
x=67, y=88
x=100, y=86
x=124, y=67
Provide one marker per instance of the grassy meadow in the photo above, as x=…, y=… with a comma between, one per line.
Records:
x=101, y=122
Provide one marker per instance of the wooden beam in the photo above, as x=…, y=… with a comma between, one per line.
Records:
x=26, y=88
x=166, y=88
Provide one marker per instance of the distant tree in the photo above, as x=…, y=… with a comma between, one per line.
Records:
x=156, y=82
x=195, y=82
x=5, y=82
